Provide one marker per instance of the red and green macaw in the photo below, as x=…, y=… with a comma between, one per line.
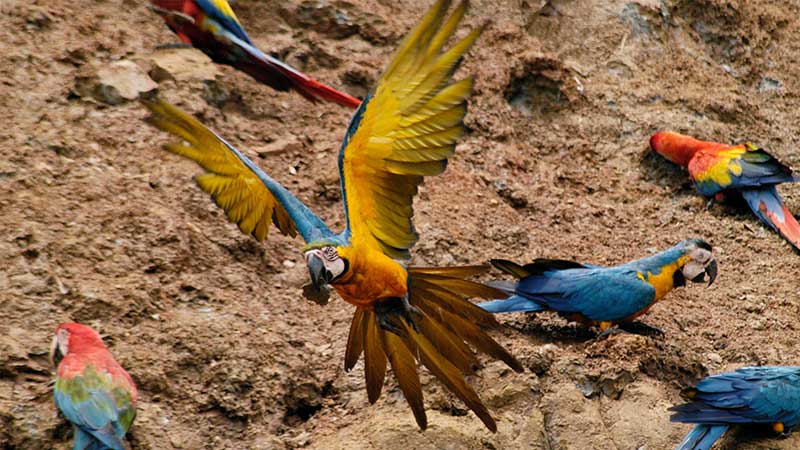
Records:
x=404, y=130
x=718, y=169
x=212, y=26
x=92, y=390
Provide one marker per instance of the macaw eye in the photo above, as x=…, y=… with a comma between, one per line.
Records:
x=330, y=254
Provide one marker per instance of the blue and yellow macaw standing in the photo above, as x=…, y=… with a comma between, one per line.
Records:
x=212, y=26
x=602, y=296
x=404, y=130
x=750, y=395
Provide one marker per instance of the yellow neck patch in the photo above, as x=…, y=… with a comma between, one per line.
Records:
x=663, y=281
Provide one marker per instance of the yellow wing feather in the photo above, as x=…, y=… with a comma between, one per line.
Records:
x=234, y=187
x=408, y=129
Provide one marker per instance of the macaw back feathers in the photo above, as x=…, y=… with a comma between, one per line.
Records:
x=444, y=327
x=537, y=267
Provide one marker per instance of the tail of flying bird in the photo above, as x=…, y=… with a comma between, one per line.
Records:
x=702, y=437
x=768, y=205
x=445, y=325
x=212, y=26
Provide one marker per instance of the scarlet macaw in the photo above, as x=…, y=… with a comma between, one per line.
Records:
x=404, y=130
x=602, y=296
x=92, y=390
x=750, y=395
x=212, y=26
x=717, y=169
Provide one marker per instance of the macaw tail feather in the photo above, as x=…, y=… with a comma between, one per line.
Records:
x=437, y=330
x=514, y=303
x=767, y=204
x=281, y=76
x=702, y=437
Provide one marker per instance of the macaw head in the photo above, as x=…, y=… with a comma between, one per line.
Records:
x=325, y=264
x=73, y=337
x=698, y=261
x=675, y=147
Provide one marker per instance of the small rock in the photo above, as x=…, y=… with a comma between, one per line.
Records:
x=116, y=83
x=288, y=264
x=714, y=358
x=768, y=84
x=182, y=64
x=285, y=144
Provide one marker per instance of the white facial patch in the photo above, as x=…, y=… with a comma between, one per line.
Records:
x=699, y=259
x=60, y=343
x=333, y=263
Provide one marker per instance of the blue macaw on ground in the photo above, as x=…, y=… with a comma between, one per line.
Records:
x=602, y=296
x=750, y=395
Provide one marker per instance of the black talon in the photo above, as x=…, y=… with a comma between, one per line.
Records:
x=389, y=310
x=641, y=329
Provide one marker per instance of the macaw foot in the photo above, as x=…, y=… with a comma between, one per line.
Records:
x=173, y=45
x=320, y=297
x=609, y=331
x=782, y=431
x=710, y=203
x=641, y=329
x=389, y=310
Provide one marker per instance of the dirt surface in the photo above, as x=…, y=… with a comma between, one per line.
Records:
x=101, y=226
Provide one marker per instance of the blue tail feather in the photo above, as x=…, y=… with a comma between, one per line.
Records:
x=702, y=437
x=515, y=303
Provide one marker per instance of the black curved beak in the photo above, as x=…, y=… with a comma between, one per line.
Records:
x=711, y=271
x=56, y=357
x=318, y=272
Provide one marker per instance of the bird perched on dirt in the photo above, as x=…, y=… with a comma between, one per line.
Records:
x=212, y=26
x=404, y=130
x=602, y=296
x=92, y=390
x=751, y=395
x=719, y=169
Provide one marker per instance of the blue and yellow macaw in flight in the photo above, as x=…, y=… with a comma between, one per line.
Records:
x=404, y=130
x=750, y=395
x=212, y=26
x=602, y=296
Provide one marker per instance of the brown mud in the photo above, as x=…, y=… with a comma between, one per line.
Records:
x=99, y=225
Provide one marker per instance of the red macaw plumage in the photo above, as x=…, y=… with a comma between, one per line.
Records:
x=92, y=390
x=718, y=168
x=212, y=26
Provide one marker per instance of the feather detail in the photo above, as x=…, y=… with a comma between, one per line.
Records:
x=405, y=130
x=355, y=339
x=374, y=357
x=404, y=367
x=249, y=197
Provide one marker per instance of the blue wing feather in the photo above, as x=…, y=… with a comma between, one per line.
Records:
x=602, y=294
x=98, y=416
x=748, y=395
x=702, y=437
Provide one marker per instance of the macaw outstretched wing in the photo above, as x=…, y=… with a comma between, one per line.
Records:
x=404, y=130
x=250, y=197
x=741, y=166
